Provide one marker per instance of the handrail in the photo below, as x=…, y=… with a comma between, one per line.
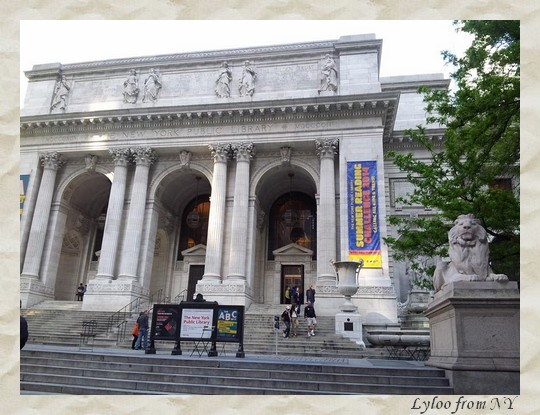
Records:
x=179, y=297
x=159, y=294
x=121, y=332
x=114, y=318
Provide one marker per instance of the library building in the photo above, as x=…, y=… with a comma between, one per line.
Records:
x=234, y=174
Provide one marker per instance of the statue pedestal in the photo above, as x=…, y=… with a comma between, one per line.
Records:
x=475, y=336
x=350, y=325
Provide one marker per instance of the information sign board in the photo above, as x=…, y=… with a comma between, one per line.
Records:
x=229, y=323
x=165, y=319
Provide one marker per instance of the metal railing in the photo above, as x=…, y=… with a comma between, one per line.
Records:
x=156, y=297
x=179, y=297
x=114, y=319
x=121, y=332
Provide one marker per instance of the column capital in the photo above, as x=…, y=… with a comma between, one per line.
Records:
x=243, y=151
x=120, y=156
x=52, y=161
x=327, y=147
x=144, y=156
x=220, y=152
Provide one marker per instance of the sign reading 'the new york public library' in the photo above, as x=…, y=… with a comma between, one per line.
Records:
x=205, y=321
x=364, y=233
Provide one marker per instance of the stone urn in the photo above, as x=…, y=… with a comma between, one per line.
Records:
x=347, y=282
x=418, y=301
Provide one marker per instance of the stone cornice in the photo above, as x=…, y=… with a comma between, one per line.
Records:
x=399, y=141
x=181, y=58
x=379, y=104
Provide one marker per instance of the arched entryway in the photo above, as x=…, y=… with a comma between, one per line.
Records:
x=81, y=220
x=182, y=207
x=287, y=232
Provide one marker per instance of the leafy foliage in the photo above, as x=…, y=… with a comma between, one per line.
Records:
x=480, y=146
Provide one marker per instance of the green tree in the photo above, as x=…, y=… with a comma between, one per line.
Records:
x=479, y=156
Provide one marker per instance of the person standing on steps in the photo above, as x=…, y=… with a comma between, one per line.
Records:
x=287, y=295
x=143, y=330
x=135, y=333
x=80, y=292
x=295, y=310
x=286, y=318
x=310, y=294
x=309, y=314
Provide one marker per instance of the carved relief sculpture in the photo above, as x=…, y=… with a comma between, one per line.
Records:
x=469, y=255
x=329, y=79
x=185, y=158
x=285, y=152
x=61, y=92
x=131, y=87
x=247, y=82
x=91, y=162
x=223, y=81
x=152, y=86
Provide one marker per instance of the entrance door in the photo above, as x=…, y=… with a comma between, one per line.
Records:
x=292, y=275
x=196, y=273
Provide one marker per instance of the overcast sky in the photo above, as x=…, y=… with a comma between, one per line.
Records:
x=409, y=46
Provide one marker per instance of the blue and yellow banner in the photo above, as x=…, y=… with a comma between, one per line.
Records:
x=364, y=234
x=24, y=178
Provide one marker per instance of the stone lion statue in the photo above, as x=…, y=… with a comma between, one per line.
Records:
x=468, y=252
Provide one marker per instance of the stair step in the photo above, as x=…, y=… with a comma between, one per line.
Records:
x=66, y=371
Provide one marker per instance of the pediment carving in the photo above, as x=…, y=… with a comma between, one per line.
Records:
x=293, y=249
x=198, y=250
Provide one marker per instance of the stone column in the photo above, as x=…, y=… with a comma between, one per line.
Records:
x=216, y=221
x=144, y=158
x=111, y=233
x=237, y=261
x=326, y=212
x=36, y=240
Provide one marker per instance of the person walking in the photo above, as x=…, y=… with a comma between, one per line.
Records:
x=143, y=330
x=310, y=294
x=309, y=314
x=286, y=318
x=294, y=295
x=295, y=310
x=135, y=333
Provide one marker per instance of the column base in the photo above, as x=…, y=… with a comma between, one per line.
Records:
x=211, y=278
x=112, y=295
x=33, y=291
x=327, y=279
x=230, y=292
x=235, y=277
x=104, y=277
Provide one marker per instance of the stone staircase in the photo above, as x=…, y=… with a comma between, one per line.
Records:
x=260, y=337
x=60, y=323
x=48, y=370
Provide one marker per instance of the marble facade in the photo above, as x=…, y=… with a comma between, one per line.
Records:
x=116, y=152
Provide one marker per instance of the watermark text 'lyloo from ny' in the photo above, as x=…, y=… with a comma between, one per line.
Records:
x=454, y=406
